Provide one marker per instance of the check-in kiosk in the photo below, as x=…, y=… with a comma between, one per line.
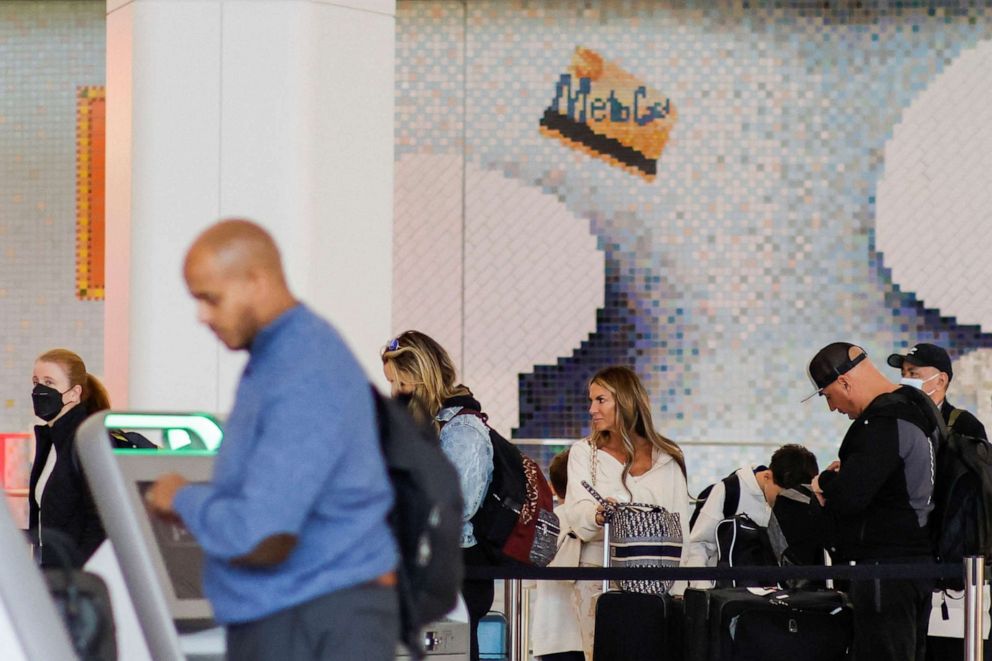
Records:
x=30, y=625
x=446, y=640
x=160, y=561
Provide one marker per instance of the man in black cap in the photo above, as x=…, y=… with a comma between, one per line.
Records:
x=876, y=500
x=928, y=367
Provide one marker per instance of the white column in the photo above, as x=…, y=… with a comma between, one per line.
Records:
x=276, y=110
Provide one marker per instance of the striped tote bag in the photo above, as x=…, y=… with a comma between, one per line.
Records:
x=642, y=535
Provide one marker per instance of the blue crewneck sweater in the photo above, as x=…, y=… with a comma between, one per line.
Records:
x=300, y=456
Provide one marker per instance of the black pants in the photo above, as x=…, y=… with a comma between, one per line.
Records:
x=952, y=649
x=563, y=656
x=891, y=618
x=478, y=595
x=355, y=624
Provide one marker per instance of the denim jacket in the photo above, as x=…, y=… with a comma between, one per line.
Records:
x=465, y=441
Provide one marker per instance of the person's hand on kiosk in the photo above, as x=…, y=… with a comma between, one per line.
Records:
x=161, y=494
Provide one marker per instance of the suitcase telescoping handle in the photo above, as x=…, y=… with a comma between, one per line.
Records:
x=607, y=556
x=608, y=506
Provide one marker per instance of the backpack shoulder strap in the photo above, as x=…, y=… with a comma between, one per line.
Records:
x=732, y=494
x=955, y=414
x=478, y=414
x=731, y=497
x=700, y=501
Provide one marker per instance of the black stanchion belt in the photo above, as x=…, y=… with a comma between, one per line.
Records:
x=865, y=571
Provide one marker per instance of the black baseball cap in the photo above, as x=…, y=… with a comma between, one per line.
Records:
x=924, y=355
x=830, y=362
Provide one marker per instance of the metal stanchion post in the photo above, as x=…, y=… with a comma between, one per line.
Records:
x=974, y=606
x=525, y=625
x=513, y=598
x=606, y=553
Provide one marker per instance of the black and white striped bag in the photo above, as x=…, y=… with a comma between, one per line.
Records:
x=642, y=535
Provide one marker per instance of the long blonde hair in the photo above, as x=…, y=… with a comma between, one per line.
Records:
x=94, y=397
x=423, y=364
x=633, y=417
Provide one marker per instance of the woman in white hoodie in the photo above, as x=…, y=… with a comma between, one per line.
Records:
x=627, y=459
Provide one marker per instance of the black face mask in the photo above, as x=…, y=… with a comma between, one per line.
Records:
x=47, y=402
x=404, y=398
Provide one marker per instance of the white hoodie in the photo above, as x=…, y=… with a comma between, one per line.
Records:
x=663, y=484
x=701, y=550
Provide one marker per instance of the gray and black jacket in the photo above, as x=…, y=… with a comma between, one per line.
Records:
x=878, y=504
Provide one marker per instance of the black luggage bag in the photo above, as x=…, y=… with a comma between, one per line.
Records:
x=633, y=625
x=636, y=626
x=734, y=624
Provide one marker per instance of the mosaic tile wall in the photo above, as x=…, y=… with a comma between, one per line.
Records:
x=817, y=171
x=48, y=50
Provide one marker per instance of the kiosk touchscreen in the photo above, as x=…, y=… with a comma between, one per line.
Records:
x=160, y=561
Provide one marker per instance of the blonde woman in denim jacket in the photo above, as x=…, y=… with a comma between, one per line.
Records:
x=421, y=373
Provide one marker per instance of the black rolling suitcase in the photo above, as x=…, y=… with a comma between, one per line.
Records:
x=633, y=626
x=734, y=624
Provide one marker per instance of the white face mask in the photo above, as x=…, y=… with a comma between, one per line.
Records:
x=918, y=383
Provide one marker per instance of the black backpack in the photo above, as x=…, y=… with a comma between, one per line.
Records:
x=426, y=520
x=961, y=521
x=515, y=523
x=741, y=542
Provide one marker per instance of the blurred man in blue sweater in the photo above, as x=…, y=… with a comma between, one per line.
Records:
x=300, y=557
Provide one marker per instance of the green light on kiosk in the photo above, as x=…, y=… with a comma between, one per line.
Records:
x=177, y=427
x=165, y=453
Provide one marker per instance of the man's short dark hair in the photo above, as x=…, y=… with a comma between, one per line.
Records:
x=558, y=472
x=793, y=465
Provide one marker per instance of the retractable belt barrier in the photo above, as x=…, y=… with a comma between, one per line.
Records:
x=864, y=571
x=972, y=570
